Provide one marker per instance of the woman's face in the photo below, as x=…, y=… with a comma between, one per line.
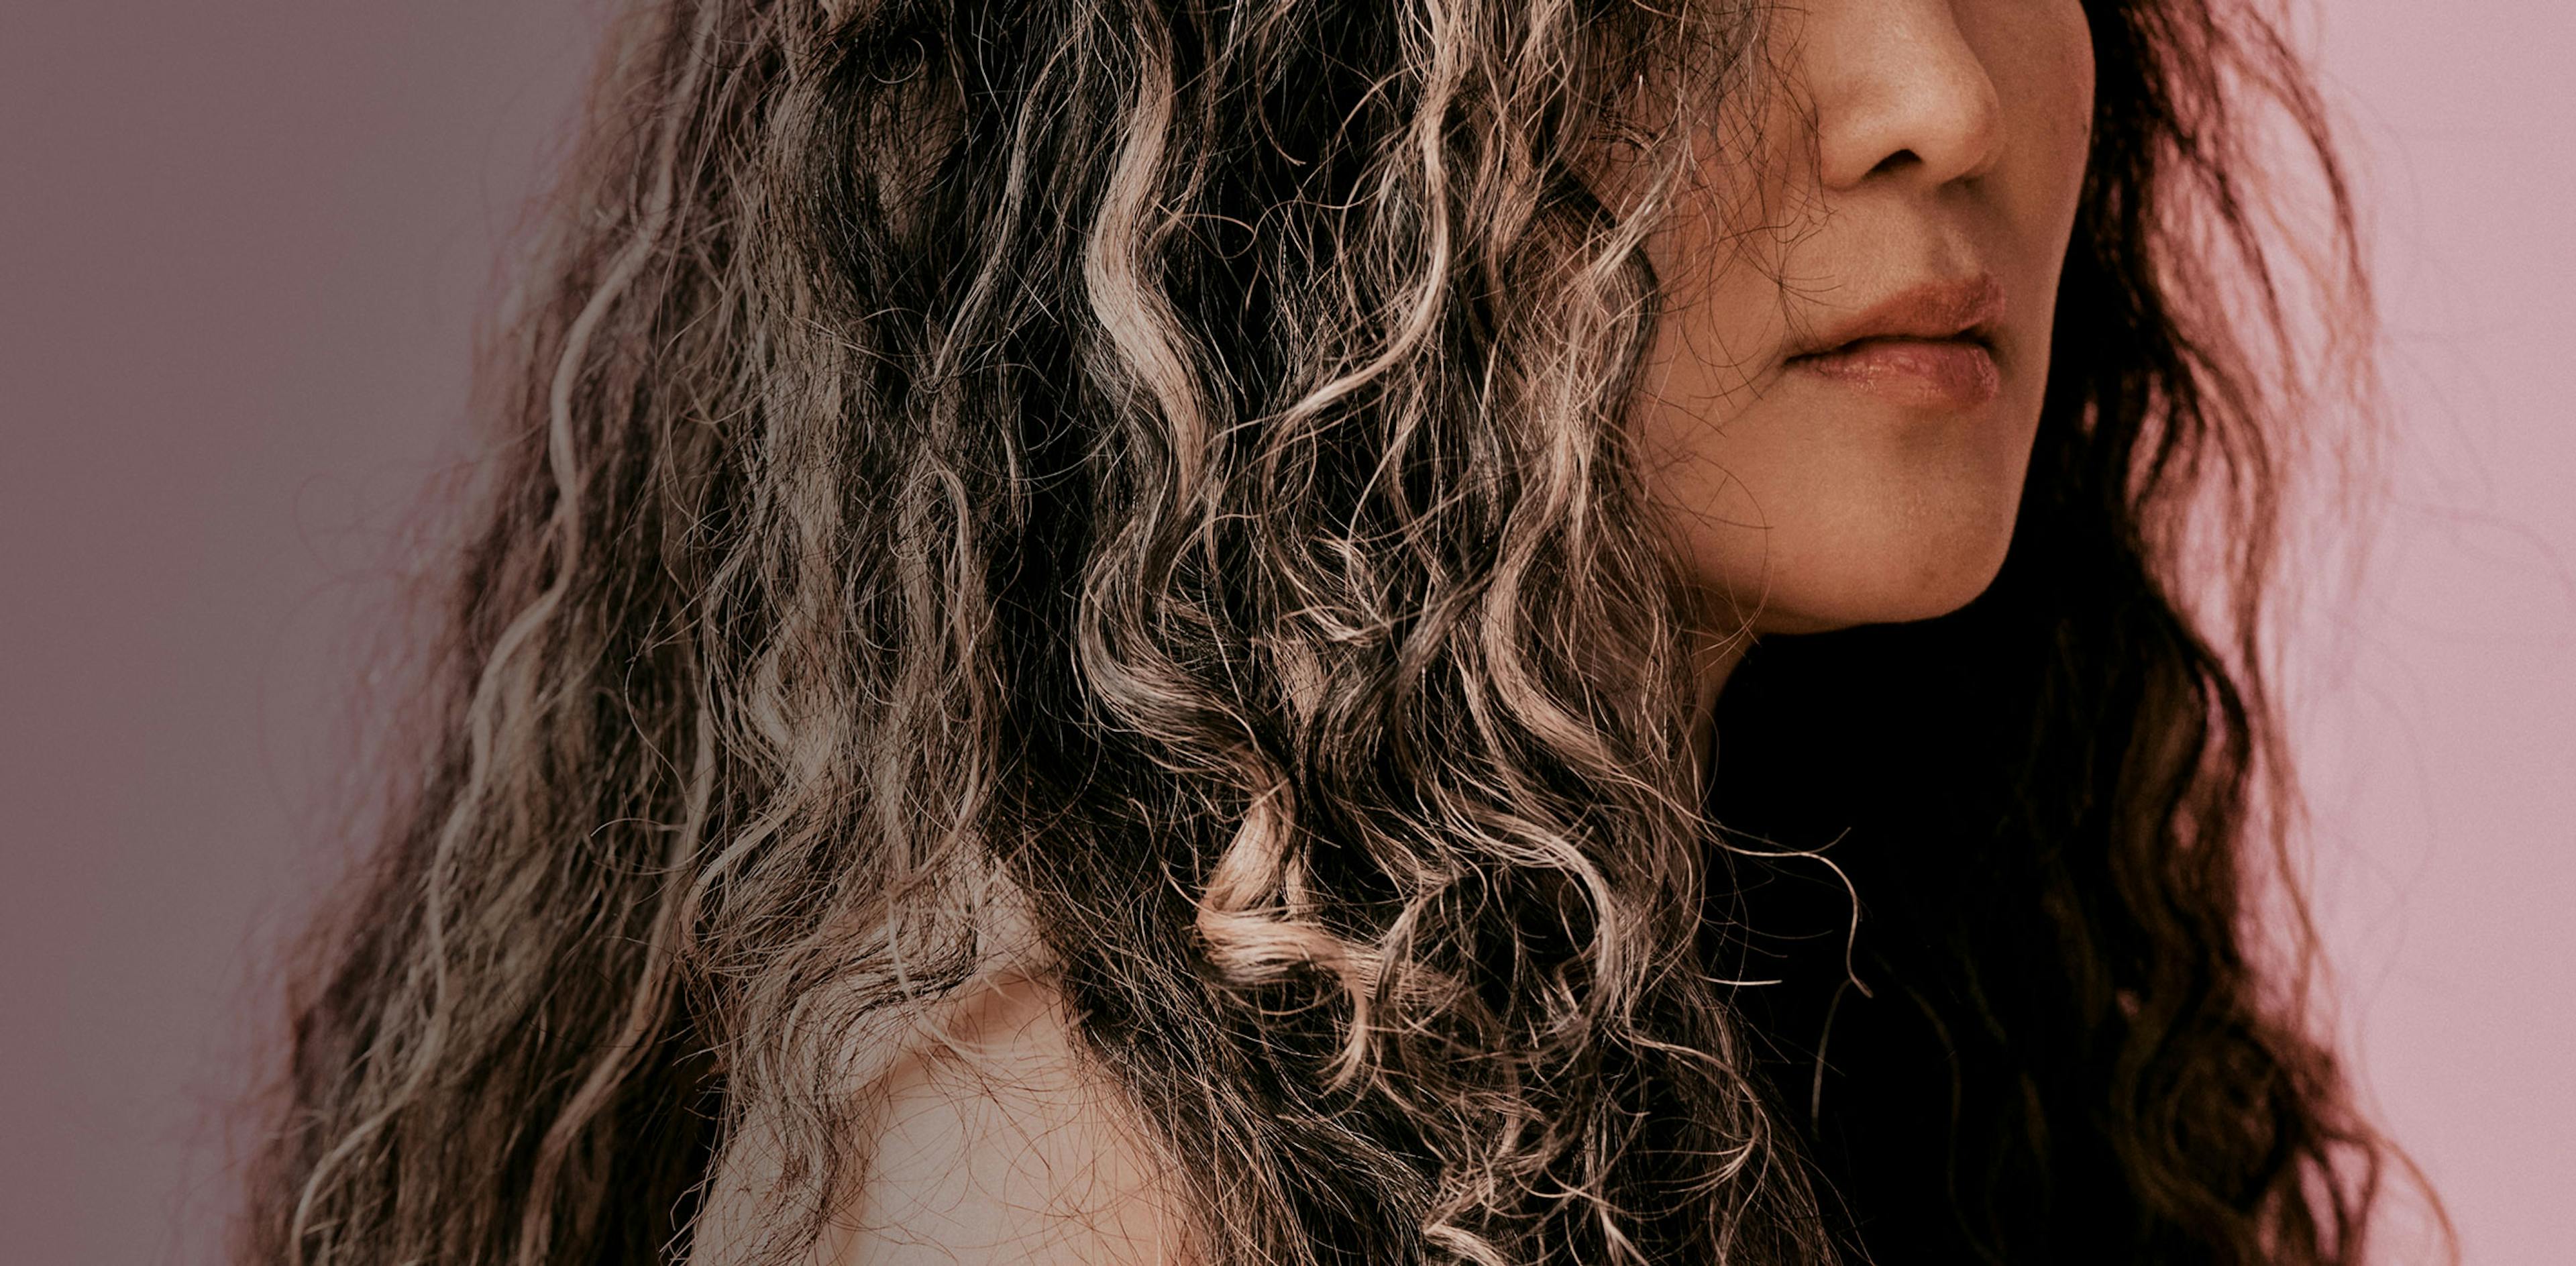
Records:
x=1841, y=397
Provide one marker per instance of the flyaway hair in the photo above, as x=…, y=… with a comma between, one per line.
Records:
x=1156, y=476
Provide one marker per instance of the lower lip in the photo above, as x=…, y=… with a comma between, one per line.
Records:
x=1919, y=373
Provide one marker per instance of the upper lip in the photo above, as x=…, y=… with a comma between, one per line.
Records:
x=1967, y=308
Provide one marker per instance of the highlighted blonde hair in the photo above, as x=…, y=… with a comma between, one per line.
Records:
x=1160, y=468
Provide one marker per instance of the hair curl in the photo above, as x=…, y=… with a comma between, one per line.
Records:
x=1159, y=472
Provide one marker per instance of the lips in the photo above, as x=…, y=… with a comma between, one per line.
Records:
x=1930, y=346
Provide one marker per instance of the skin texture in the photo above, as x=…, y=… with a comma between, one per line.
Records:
x=1198, y=500
x=1913, y=140
x=995, y=1143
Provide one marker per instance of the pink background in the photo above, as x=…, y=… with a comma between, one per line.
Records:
x=240, y=250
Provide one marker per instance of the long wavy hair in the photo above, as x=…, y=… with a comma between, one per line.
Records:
x=1158, y=475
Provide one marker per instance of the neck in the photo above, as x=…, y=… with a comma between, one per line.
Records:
x=1713, y=660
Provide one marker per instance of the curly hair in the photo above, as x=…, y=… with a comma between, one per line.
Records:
x=1159, y=472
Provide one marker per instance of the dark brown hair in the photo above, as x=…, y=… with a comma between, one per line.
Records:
x=1161, y=469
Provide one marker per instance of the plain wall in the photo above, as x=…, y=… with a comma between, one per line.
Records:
x=241, y=248
x=2440, y=736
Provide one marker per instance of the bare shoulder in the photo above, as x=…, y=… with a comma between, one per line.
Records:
x=995, y=1143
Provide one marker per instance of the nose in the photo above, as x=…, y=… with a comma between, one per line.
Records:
x=1898, y=93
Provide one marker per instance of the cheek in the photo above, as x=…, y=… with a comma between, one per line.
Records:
x=1807, y=514
x=1801, y=509
x=2040, y=56
x=1719, y=464
x=1805, y=518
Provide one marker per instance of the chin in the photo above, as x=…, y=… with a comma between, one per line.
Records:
x=1898, y=584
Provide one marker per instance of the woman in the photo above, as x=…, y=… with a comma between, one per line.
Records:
x=1096, y=635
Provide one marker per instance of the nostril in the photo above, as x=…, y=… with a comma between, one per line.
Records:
x=1900, y=89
